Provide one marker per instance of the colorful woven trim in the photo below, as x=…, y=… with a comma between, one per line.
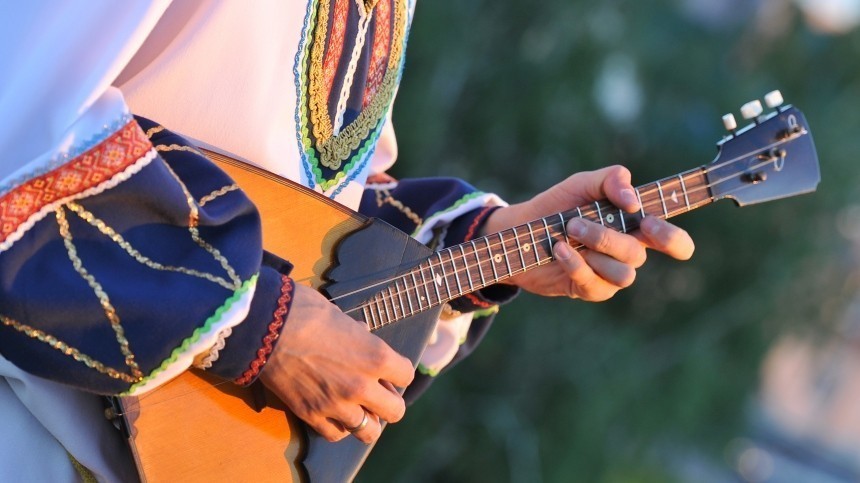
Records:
x=272, y=334
x=107, y=164
x=328, y=156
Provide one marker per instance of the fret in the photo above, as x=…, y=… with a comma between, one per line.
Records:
x=564, y=228
x=492, y=260
x=435, y=283
x=388, y=317
x=454, y=266
x=466, y=264
x=641, y=206
x=534, y=245
x=623, y=224
x=548, y=237
x=379, y=311
x=698, y=189
x=599, y=214
x=444, y=276
x=424, y=283
x=400, y=296
x=505, y=254
x=662, y=200
x=393, y=305
x=519, y=249
x=408, y=300
x=415, y=287
x=367, y=318
x=684, y=189
x=478, y=260
x=579, y=212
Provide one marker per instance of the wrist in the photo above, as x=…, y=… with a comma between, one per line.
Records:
x=503, y=218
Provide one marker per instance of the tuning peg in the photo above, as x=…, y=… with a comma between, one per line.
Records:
x=773, y=99
x=729, y=122
x=751, y=109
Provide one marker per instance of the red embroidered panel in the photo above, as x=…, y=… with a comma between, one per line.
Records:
x=92, y=168
x=334, y=50
x=379, y=54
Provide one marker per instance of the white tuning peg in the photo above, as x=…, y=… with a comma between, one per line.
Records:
x=729, y=122
x=773, y=99
x=751, y=109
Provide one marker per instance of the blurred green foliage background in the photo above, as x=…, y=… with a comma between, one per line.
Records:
x=655, y=384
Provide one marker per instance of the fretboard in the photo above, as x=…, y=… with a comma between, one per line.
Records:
x=470, y=266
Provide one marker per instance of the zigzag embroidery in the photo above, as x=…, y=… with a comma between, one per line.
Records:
x=109, y=163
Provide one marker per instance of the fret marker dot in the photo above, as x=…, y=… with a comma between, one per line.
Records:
x=527, y=247
x=422, y=298
x=498, y=258
x=438, y=280
x=610, y=218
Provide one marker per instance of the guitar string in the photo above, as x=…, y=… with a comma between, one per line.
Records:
x=466, y=265
x=541, y=262
x=131, y=407
x=705, y=170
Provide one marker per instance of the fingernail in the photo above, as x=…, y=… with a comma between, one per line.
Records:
x=562, y=251
x=629, y=198
x=576, y=228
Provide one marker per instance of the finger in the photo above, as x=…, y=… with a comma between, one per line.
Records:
x=371, y=432
x=584, y=282
x=588, y=186
x=329, y=429
x=609, y=269
x=619, y=246
x=388, y=405
x=618, y=189
x=365, y=430
x=665, y=237
x=391, y=366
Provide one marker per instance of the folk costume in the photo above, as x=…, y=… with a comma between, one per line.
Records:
x=126, y=256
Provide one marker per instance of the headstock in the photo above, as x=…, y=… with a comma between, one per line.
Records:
x=772, y=158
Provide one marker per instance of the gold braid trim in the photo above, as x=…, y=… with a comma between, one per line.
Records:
x=193, y=217
x=68, y=350
x=177, y=147
x=402, y=208
x=110, y=311
x=397, y=39
x=86, y=475
x=217, y=193
x=134, y=253
x=153, y=131
x=320, y=121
